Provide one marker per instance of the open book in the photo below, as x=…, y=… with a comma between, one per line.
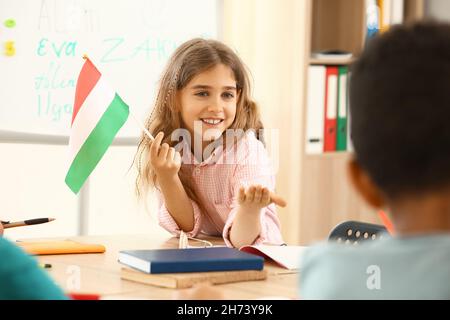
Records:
x=288, y=257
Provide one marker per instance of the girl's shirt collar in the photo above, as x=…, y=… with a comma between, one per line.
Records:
x=189, y=158
x=218, y=155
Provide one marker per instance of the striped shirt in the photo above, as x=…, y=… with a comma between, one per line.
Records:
x=218, y=179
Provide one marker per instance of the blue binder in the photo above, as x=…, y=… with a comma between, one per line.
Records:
x=190, y=260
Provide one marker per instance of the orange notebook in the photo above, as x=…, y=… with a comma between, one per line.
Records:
x=59, y=247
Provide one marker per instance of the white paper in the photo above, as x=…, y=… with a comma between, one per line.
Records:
x=288, y=257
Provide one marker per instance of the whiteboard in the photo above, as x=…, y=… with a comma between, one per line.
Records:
x=129, y=41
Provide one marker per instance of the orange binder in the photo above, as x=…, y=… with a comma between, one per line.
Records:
x=59, y=247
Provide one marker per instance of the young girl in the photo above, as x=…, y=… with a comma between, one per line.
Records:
x=213, y=185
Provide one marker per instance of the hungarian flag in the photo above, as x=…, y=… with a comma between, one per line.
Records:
x=98, y=114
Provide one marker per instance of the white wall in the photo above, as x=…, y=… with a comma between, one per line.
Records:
x=439, y=9
x=32, y=186
x=113, y=207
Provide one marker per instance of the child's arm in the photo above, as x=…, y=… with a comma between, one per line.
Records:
x=166, y=163
x=22, y=278
x=177, y=202
x=246, y=225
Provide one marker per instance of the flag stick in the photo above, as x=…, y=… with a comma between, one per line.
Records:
x=139, y=123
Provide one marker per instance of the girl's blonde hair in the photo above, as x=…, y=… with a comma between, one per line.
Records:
x=189, y=60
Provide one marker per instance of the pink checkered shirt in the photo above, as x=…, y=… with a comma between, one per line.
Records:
x=218, y=179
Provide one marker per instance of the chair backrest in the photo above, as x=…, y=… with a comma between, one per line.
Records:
x=353, y=232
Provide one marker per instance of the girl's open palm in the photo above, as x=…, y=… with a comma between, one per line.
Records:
x=164, y=159
x=258, y=197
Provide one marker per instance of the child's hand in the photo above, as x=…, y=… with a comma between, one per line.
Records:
x=202, y=291
x=165, y=160
x=1, y=229
x=258, y=197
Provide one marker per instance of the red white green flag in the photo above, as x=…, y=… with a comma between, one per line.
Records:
x=98, y=114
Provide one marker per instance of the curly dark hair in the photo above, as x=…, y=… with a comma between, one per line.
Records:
x=400, y=109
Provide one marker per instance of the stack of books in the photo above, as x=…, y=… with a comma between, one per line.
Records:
x=182, y=268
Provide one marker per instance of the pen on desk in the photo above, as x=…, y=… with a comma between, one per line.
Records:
x=8, y=224
x=387, y=223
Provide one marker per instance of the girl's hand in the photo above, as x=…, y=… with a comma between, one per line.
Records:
x=165, y=160
x=1, y=229
x=258, y=197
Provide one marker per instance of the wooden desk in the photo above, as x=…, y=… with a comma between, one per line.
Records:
x=100, y=273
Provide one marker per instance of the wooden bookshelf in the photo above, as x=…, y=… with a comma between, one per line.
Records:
x=326, y=196
x=337, y=24
x=336, y=62
x=332, y=155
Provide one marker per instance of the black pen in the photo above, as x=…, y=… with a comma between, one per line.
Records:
x=8, y=224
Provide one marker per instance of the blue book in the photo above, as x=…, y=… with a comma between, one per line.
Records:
x=190, y=260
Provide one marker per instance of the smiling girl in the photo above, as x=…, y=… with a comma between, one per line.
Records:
x=208, y=184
